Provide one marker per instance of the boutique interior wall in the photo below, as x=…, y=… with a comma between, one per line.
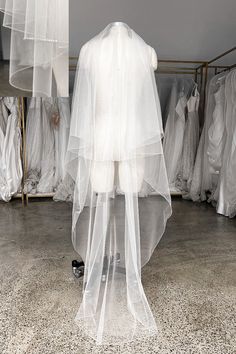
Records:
x=5, y=36
x=183, y=29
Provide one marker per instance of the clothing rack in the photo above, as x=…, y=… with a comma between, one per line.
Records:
x=199, y=69
x=192, y=67
x=22, y=119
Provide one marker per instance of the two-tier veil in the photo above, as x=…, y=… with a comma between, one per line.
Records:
x=114, y=154
x=39, y=45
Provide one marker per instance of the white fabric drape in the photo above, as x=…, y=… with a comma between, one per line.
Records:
x=204, y=179
x=226, y=201
x=190, y=143
x=115, y=145
x=39, y=45
x=10, y=149
x=34, y=133
x=174, y=130
x=214, y=170
x=47, y=132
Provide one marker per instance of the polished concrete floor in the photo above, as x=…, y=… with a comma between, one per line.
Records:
x=190, y=283
x=6, y=90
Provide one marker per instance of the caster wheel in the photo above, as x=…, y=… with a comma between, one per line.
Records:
x=78, y=269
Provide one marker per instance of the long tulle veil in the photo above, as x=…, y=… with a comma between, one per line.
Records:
x=114, y=156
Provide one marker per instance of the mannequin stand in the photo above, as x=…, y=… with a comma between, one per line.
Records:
x=78, y=267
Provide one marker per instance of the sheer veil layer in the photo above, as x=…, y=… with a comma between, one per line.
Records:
x=114, y=155
x=39, y=51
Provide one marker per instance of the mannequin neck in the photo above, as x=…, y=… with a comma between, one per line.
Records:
x=119, y=27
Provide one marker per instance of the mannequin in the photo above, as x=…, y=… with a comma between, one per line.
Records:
x=105, y=173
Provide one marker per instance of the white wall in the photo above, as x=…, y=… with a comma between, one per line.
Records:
x=181, y=29
x=5, y=40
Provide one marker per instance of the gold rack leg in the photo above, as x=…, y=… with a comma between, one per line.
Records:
x=205, y=85
x=24, y=146
x=21, y=148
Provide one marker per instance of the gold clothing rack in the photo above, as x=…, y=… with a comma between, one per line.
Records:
x=199, y=69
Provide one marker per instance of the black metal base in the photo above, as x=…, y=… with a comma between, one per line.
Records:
x=78, y=267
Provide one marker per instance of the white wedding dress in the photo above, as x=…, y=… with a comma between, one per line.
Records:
x=10, y=148
x=115, y=145
x=34, y=146
x=227, y=182
x=47, y=180
x=174, y=131
x=64, y=182
x=47, y=132
x=204, y=182
x=216, y=132
x=190, y=143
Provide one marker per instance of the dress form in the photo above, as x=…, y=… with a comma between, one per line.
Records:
x=129, y=172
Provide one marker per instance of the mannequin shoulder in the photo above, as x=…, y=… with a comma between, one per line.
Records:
x=83, y=49
x=153, y=57
x=83, y=54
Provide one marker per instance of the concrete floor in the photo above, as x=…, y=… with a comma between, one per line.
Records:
x=190, y=283
x=6, y=90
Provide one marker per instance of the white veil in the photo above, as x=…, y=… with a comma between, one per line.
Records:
x=39, y=45
x=115, y=145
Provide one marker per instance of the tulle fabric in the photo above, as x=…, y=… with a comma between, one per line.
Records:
x=39, y=45
x=114, y=153
x=10, y=149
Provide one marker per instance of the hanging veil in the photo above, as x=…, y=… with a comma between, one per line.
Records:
x=115, y=145
x=39, y=45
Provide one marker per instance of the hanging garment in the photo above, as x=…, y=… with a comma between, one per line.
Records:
x=203, y=182
x=65, y=190
x=217, y=129
x=3, y=117
x=227, y=183
x=174, y=131
x=3, y=124
x=39, y=45
x=116, y=144
x=34, y=144
x=64, y=182
x=190, y=143
x=47, y=180
x=10, y=146
x=61, y=138
x=47, y=133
